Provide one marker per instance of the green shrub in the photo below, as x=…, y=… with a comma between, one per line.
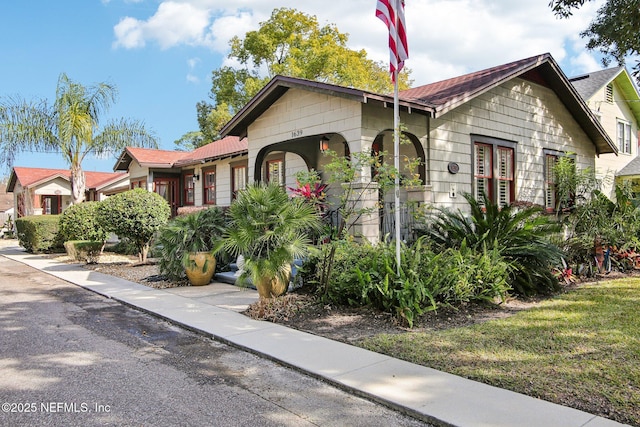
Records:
x=521, y=237
x=80, y=222
x=39, y=233
x=84, y=250
x=365, y=274
x=123, y=247
x=344, y=287
x=136, y=215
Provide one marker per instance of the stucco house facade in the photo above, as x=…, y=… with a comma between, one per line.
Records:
x=497, y=131
x=42, y=191
x=613, y=97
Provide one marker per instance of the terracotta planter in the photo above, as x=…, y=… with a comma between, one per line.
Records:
x=202, y=268
x=272, y=287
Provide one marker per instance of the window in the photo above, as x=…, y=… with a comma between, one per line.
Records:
x=275, y=172
x=550, y=191
x=494, y=170
x=139, y=183
x=51, y=205
x=505, y=176
x=209, y=182
x=238, y=179
x=624, y=137
x=189, y=188
x=483, y=171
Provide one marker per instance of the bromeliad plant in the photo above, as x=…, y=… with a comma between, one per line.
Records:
x=270, y=229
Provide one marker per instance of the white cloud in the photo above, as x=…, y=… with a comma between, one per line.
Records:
x=173, y=24
x=192, y=63
x=446, y=37
x=129, y=34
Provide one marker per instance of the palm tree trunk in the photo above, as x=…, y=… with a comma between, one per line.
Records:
x=78, y=184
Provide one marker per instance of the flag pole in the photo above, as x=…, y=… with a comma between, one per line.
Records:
x=396, y=152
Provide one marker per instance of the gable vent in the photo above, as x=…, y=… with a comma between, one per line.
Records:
x=608, y=93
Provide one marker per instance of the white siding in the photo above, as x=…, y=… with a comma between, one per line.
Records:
x=223, y=181
x=528, y=114
x=608, y=164
x=300, y=114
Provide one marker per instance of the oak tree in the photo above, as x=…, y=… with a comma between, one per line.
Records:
x=290, y=43
x=615, y=31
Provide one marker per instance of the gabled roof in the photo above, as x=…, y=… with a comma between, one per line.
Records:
x=438, y=98
x=279, y=85
x=114, y=178
x=589, y=84
x=229, y=146
x=631, y=169
x=448, y=94
x=148, y=157
x=29, y=177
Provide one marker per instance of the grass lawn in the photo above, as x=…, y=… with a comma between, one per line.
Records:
x=580, y=349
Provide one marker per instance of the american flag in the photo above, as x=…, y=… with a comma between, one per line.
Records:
x=386, y=10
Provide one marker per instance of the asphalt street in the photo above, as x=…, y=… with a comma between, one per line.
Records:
x=69, y=357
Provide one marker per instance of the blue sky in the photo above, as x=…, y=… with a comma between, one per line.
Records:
x=160, y=54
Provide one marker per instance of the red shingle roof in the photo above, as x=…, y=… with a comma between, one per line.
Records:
x=150, y=156
x=225, y=147
x=30, y=176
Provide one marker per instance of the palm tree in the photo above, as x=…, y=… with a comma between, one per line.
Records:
x=69, y=126
x=270, y=229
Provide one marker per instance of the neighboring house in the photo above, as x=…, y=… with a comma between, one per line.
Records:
x=40, y=191
x=497, y=131
x=207, y=176
x=613, y=97
x=6, y=205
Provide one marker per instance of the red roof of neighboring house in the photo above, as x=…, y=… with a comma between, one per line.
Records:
x=225, y=147
x=148, y=157
x=31, y=176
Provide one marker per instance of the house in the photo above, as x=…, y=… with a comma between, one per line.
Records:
x=41, y=191
x=613, y=97
x=6, y=205
x=188, y=179
x=497, y=131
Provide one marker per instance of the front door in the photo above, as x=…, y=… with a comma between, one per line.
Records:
x=169, y=189
x=51, y=205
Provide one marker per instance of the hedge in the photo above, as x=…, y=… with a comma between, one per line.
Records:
x=39, y=233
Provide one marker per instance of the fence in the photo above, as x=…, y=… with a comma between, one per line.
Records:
x=408, y=214
x=408, y=223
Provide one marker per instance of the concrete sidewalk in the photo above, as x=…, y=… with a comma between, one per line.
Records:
x=425, y=393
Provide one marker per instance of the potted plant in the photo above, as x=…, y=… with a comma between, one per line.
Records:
x=187, y=244
x=270, y=230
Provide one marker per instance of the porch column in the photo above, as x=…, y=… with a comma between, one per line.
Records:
x=36, y=205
